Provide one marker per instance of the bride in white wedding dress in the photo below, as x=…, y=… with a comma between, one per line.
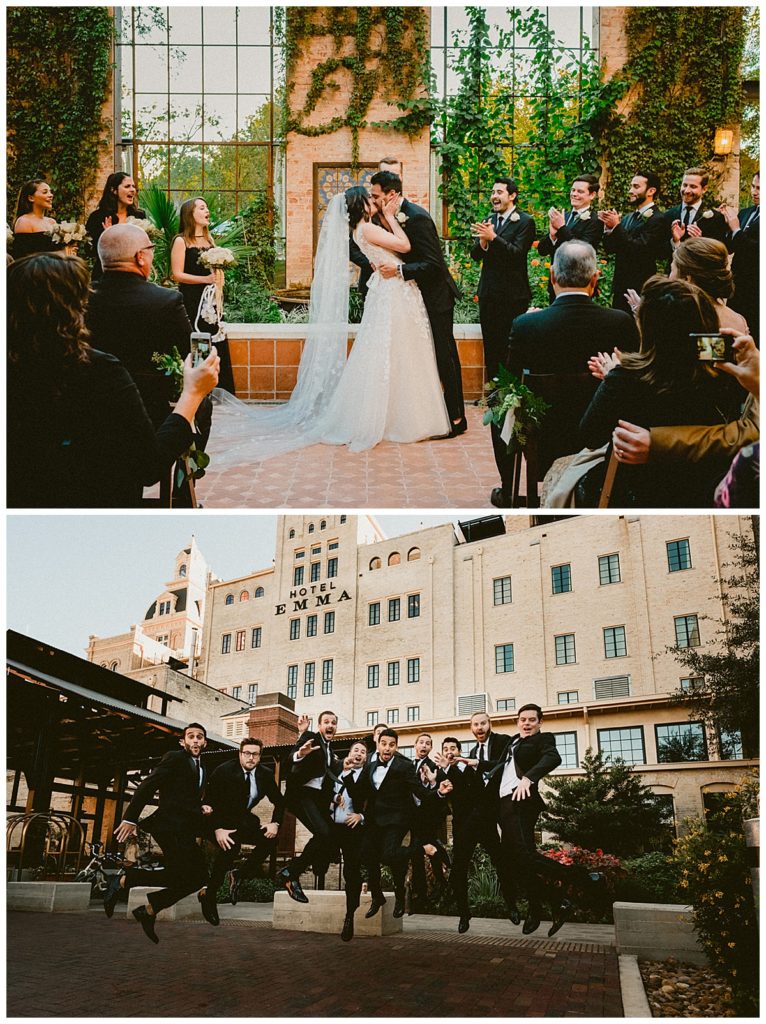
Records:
x=387, y=389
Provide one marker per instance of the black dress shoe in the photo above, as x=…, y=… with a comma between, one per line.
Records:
x=293, y=886
x=499, y=498
x=375, y=906
x=146, y=920
x=514, y=916
x=560, y=917
x=112, y=893
x=348, y=928
x=441, y=855
x=531, y=924
x=464, y=923
x=234, y=884
x=398, y=904
x=458, y=428
x=209, y=908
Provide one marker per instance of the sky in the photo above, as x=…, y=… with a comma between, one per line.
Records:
x=73, y=575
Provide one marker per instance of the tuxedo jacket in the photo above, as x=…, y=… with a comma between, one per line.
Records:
x=430, y=812
x=180, y=797
x=467, y=792
x=357, y=257
x=497, y=743
x=504, y=281
x=392, y=804
x=711, y=227
x=424, y=263
x=745, y=245
x=311, y=767
x=590, y=230
x=637, y=244
x=228, y=793
x=534, y=757
x=132, y=319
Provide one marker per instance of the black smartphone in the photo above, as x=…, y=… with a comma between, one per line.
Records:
x=714, y=348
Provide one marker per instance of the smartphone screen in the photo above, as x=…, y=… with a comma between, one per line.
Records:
x=200, y=347
x=714, y=348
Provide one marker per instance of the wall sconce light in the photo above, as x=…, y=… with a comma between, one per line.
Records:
x=724, y=140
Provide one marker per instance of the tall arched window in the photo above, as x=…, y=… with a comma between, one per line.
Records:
x=323, y=525
x=291, y=534
x=259, y=591
x=229, y=599
x=375, y=563
x=413, y=554
x=311, y=527
x=182, y=570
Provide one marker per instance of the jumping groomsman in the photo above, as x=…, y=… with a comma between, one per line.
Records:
x=637, y=240
x=313, y=771
x=581, y=223
x=235, y=789
x=742, y=239
x=347, y=831
x=691, y=219
x=175, y=826
x=427, y=819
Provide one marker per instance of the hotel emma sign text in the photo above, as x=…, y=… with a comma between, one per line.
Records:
x=320, y=593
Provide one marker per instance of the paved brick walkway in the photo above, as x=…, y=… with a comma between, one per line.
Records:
x=86, y=966
x=455, y=473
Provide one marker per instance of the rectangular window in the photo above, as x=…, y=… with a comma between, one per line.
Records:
x=300, y=554
x=413, y=670
x=413, y=714
x=625, y=743
x=561, y=578
x=372, y=719
x=332, y=567
x=679, y=555
x=393, y=673
x=506, y=704
x=256, y=636
x=413, y=606
x=317, y=550
x=394, y=609
x=311, y=625
x=680, y=741
x=565, y=649
x=236, y=692
x=315, y=570
x=309, y=672
x=373, y=677
x=163, y=638
x=504, y=658
x=343, y=520
x=569, y=697
x=730, y=745
x=298, y=576
x=252, y=692
x=292, y=681
x=308, y=689
x=614, y=642
x=501, y=590
x=373, y=614
x=240, y=639
x=687, y=630
x=329, y=622
x=225, y=643
x=692, y=683
x=295, y=629
x=332, y=546
x=566, y=744
x=392, y=716
x=327, y=674
x=609, y=569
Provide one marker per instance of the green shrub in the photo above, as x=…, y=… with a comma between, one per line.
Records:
x=652, y=878
x=247, y=302
x=251, y=890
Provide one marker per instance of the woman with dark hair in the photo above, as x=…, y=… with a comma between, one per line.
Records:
x=705, y=262
x=665, y=384
x=117, y=203
x=32, y=223
x=192, y=240
x=78, y=433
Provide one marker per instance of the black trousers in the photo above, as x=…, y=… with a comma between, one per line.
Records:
x=312, y=808
x=382, y=844
x=467, y=835
x=424, y=833
x=349, y=842
x=496, y=321
x=184, y=870
x=448, y=362
x=248, y=832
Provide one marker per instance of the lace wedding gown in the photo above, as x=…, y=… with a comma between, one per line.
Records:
x=389, y=389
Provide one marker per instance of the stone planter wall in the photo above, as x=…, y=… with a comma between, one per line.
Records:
x=656, y=931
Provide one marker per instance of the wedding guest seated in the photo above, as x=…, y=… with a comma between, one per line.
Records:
x=664, y=384
x=31, y=222
x=78, y=433
x=117, y=203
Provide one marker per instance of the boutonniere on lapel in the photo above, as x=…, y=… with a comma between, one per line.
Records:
x=514, y=217
x=707, y=214
x=649, y=212
x=585, y=215
x=402, y=217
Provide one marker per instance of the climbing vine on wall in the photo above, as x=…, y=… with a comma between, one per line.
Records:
x=59, y=77
x=683, y=71
x=388, y=57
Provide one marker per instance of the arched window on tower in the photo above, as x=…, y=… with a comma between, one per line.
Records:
x=413, y=554
x=181, y=570
x=244, y=596
x=291, y=534
x=311, y=527
x=259, y=591
x=229, y=599
x=375, y=563
x=394, y=558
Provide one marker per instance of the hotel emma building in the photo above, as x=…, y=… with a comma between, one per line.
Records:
x=421, y=630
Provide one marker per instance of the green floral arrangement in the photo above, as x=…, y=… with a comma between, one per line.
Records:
x=506, y=394
x=191, y=464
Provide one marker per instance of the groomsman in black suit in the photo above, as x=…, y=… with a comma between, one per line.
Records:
x=235, y=789
x=502, y=244
x=424, y=264
x=691, y=219
x=637, y=240
x=355, y=254
x=347, y=831
x=742, y=239
x=175, y=826
x=580, y=223
x=313, y=771
x=529, y=756
x=427, y=819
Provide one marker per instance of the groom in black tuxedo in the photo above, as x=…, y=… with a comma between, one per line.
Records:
x=426, y=267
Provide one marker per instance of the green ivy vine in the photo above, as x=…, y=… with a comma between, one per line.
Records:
x=683, y=70
x=389, y=58
x=58, y=79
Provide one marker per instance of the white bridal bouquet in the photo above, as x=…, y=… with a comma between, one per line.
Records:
x=146, y=225
x=217, y=258
x=68, y=232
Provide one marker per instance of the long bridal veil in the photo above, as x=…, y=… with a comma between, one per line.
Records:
x=256, y=433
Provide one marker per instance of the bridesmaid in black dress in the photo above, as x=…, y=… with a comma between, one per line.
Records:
x=117, y=203
x=192, y=277
x=31, y=223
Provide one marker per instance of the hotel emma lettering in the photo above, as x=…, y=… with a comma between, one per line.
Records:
x=301, y=595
